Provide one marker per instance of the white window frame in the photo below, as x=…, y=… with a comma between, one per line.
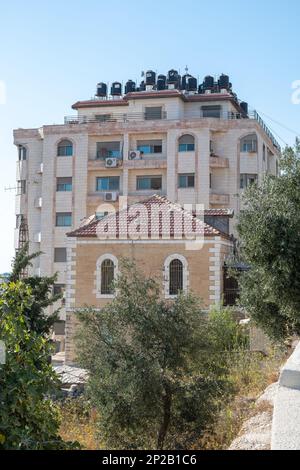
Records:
x=98, y=274
x=166, y=273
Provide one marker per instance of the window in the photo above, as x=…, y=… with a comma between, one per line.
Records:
x=264, y=152
x=65, y=149
x=19, y=219
x=247, y=179
x=60, y=255
x=107, y=277
x=22, y=153
x=58, y=289
x=108, y=149
x=149, y=146
x=102, y=117
x=63, y=219
x=175, y=277
x=148, y=182
x=249, y=143
x=21, y=187
x=107, y=268
x=153, y=112
x=211, y=111
x=64, y=184
x=186, y=143
x=59, y=328
x=186, y=181
x=107, y=183
x=100, y=215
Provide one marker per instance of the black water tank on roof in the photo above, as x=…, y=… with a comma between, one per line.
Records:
x=184, y=81
x=161, y=82
x=173, y=77
x=101, y=89
x=224, y=81
x=208, y=82
x=130, y=86
x=116, y=89
x=244, y=106
x=192, y=84
x=150, y=77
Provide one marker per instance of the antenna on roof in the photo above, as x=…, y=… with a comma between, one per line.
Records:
x=186, y=69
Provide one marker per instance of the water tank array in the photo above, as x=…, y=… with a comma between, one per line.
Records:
x=173, y=80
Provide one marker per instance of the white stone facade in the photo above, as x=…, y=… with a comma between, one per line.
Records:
x=217, y=163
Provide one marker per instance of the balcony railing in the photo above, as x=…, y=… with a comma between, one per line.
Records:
x=191, y=115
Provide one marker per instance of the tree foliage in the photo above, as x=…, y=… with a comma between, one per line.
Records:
x=269, y=229
x=41, y=288
x=157, y=369
x=28, y=419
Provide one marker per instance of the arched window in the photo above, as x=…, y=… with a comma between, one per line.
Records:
x=65, y=149
x=186, y=143
x=107, y=268
x=107, y=277
x=249, y=143
x=175, y=275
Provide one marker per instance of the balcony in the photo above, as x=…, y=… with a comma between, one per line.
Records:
x=113, y=117
x=218, y=162
x=146, y=162
x=191, y=115
x=222, y=199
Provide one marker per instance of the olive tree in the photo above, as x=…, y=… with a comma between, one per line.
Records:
x=157, y=371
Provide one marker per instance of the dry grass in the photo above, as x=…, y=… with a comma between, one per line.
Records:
x=78, y=423
x=251, y=373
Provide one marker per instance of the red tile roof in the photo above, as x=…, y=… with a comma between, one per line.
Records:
x=223, y=212
x=155, y=217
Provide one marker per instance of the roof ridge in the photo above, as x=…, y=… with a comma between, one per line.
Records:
x=85, y=229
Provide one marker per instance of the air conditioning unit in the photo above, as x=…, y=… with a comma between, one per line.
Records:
x=111, y=196
x=40, y=169
x=38, y=202
x=111, y=162
x=134, y=155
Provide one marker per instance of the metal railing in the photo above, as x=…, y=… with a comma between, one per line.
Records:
x=197, y=114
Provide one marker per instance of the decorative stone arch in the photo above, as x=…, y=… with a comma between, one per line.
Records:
x=65, y=140
x=186, y=138
x=98, y=274
x=166, y=274
x=250, y=136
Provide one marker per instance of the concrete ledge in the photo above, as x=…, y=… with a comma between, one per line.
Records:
x=286, y=415
x=290, y=374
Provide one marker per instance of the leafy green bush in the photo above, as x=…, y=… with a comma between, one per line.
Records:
x=28, y=419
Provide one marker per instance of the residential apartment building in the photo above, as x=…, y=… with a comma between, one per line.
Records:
x=194, y=145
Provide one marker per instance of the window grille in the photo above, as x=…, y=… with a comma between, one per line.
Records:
x=175, y=277
x=107, y=277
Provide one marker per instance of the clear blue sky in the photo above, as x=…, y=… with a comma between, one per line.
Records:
x=54, y=52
